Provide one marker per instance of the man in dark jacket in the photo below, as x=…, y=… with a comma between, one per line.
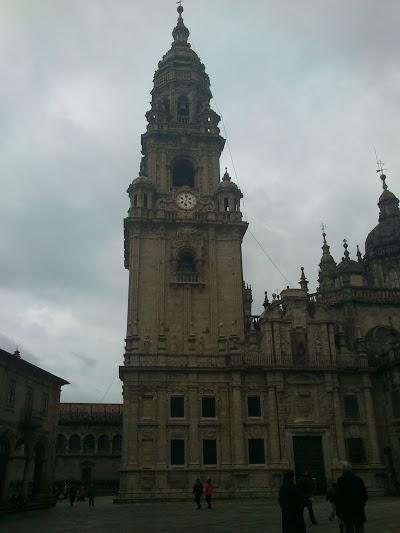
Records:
x=292, y=505
x=351, y=497
x=307, y=487
x=198, y=492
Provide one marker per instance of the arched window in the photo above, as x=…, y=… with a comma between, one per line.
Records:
x=183, y=107
x=393, y=280
x=88, y=444
x=61, y=445
x=117, y=444
x=182, y=174
x=74, y=444
x=186, y=263
x=103, y=444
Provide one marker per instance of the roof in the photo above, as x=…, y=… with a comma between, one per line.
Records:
x=91, y=413
x=24, y=366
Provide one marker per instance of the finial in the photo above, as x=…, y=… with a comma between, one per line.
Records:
x=180, y=32
x=17, y=353
x=381, y=171
x=359, y=254
x=303, y=280
x=226, y=176
x=346, y=252
x=266, y=301
x=323, y=228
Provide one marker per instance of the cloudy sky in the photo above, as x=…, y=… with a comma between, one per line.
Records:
x=307, y=89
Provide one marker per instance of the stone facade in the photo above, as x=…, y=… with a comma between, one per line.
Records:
x=208, y=388
x=89, y=444
x=29, y=407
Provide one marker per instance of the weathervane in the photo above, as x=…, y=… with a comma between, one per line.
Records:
x=381, y=170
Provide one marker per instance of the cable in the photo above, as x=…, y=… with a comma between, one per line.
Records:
x=108, y=390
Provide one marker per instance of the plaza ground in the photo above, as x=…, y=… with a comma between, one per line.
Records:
x=226, y=517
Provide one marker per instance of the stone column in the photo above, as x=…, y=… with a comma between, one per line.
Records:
x=162, y=415
x=337, y=408
x=369, y=412
x=27, y=473
x=194, y=458
x=237, y=422
x=273, y=429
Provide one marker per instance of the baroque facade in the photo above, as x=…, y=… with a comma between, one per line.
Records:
x=208, y=388
x=30, y=399
x=88, y=446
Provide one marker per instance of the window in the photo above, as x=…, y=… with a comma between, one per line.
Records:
x=253, y=406
x=29, y=399
x=209, y=452
x=177, y=452
x=393, y=280
x=12, y=388
x=183, y=107
x=177, y=405
x=145, y=199
x=134, y=200
x=351, y=408
x=186, y=263
x=45, y=403
x=208, y=407
x=88, y=444
x=103, y=445
x=226, y=204
x=355, y=451
x=61, y=445
x=395, y=396
x=117, y=444
x=74, y=444
x=182, y=174
x=256, y=452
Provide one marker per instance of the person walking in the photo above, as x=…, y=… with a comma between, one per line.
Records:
x=91, y=494
x=72, y=494
x=307, y=487
x=291, y=501
x=331, y=498
x=351, y=497
x=208, y=491
x=198, y=492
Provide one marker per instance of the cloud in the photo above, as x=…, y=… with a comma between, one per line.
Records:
x=306, y=89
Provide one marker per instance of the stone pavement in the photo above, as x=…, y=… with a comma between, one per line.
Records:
x=226, y=517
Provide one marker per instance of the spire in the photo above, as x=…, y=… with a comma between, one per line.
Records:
x=327, y=265
x=180, y=33
x=346, y=252
x=303, y=280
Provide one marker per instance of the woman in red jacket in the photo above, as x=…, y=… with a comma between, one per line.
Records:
x=208, y=491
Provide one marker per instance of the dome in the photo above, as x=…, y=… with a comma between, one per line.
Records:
x=141, y=182
x=386, y=235
x=349, y=266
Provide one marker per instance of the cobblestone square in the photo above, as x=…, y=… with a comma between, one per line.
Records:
x=182, y=517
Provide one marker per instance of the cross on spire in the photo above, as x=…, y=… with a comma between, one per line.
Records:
x=323, y=229
x=381, y=170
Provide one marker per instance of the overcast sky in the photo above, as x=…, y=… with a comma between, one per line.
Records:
x=307, y=89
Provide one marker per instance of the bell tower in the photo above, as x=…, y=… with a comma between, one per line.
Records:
x=183, y=237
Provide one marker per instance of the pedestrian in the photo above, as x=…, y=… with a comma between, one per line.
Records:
x=72, y=494
x=331, y=498
x=208, y=491
x=307, y=487
x=351, y=497
x=198, y=492
x=291, y=501
x=91, y=494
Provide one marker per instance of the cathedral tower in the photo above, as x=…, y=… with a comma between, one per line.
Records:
x=183, y=236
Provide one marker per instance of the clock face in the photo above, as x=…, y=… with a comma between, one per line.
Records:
x=186, y=200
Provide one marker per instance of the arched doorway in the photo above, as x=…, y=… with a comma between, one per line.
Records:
x=38, y=470
x=4, y=460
